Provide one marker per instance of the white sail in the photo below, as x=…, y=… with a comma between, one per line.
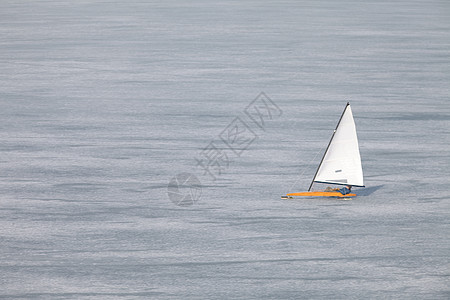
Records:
x=341, y=163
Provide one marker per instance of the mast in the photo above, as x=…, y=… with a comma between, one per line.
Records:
x=329, y=143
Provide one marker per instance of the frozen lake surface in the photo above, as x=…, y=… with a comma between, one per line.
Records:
x=102, y=103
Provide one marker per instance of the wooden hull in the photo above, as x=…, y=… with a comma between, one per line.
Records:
x=321, y=194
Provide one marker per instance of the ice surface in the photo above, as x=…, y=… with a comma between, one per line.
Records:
x=103, y=102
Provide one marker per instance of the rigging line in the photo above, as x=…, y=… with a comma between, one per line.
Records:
x=298, y=177
x=304, y=169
